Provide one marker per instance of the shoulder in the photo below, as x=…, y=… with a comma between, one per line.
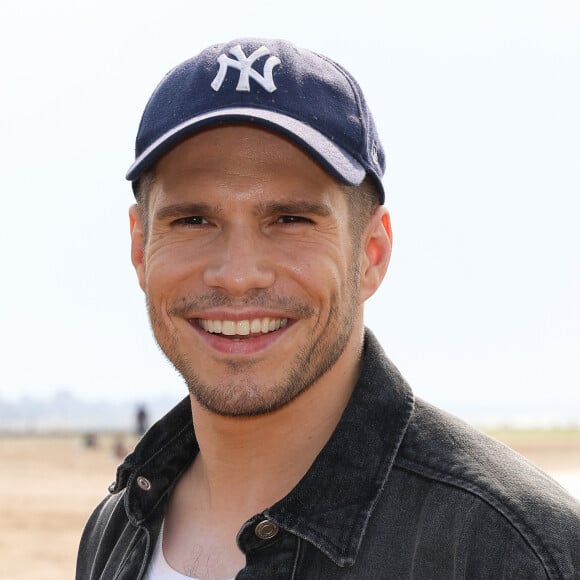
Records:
x=501, y=488
x=103, y=528
x=126, y=521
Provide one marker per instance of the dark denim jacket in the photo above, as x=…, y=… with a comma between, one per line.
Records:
x=400, y=491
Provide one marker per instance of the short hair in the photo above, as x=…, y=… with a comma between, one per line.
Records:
x=142, y=189
x=362, y=200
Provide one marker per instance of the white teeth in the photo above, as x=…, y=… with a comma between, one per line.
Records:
x=243, y=327
x=228, y=327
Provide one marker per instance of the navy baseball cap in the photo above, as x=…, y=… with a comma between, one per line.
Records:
x=305, y=96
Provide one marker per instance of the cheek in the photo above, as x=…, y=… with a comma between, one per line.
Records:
x=167, y=268
x=320, y=273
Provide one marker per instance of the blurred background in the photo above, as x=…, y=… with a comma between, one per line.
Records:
x=477, y=105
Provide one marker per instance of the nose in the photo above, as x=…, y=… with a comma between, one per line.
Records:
x=240, y=262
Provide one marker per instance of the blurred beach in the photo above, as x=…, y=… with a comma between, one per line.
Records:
x=51, y=483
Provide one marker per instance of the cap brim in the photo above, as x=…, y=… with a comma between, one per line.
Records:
x=332, y=158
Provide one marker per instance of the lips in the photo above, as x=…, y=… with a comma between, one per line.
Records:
x=242, y=327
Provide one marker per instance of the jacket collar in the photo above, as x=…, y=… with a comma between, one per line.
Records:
x=331, y=506
x=160, y=457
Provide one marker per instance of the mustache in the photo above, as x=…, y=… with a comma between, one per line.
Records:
x=259, y=299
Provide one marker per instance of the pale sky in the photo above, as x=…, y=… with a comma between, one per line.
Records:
x=477, y=107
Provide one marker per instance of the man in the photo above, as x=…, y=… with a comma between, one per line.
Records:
x=259, y=232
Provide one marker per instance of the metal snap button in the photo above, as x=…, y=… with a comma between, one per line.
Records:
x=144, y=483
x=266, y=530
x=112, y=487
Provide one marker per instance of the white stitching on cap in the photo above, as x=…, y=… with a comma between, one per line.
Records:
x=244, y=64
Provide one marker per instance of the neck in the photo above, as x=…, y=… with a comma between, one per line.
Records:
x=252, y=462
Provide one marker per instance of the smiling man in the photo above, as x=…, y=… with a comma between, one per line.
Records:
x=258, y=234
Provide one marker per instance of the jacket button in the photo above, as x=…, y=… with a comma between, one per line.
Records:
x=266, y=530
x=112, y=487
x=144, y=483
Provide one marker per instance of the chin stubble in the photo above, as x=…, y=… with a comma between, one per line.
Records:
x=237, y=395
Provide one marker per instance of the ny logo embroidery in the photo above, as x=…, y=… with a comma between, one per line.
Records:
x=244, y=65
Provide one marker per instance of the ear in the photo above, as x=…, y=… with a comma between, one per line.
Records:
x=137, y=244
x=376, y=252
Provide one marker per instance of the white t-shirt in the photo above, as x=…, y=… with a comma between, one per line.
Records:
x=159, y=569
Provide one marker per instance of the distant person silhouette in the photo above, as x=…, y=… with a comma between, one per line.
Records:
x=142, y=420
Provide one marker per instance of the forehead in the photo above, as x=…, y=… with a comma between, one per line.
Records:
x=244, y=161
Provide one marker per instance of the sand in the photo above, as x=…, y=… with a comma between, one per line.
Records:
x=50, y=484
x=48, y=488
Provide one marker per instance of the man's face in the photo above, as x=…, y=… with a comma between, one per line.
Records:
x=248, y=267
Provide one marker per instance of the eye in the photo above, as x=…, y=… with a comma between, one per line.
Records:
x=193, y=220
x=293, y=219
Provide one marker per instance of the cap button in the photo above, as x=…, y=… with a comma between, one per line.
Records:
x=266, y=530
x=144, y=483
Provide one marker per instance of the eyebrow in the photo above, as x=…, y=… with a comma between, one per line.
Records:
x=288, y=207
x=294, y=207
x=180, y=209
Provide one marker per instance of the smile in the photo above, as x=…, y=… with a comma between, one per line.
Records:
x=243, y=327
